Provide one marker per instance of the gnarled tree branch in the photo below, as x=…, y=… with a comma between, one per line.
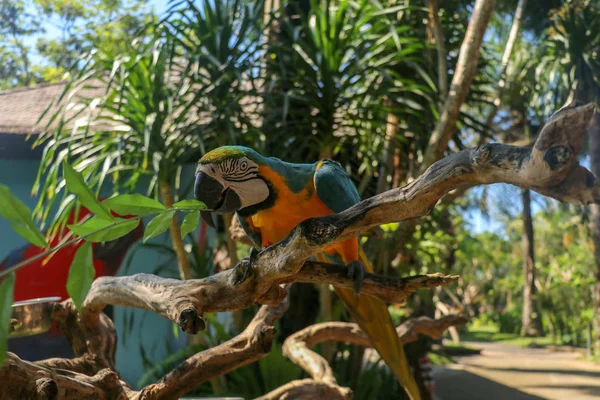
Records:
x=550, y=167
x=297, y=346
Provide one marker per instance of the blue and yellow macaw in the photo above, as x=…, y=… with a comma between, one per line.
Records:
x=271, y=197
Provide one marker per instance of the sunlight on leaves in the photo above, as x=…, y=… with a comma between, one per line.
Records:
x=101, y=230
x=6, y=299
x=189, y=204
x=134, y=204
x=158, y=225
x=76, y=185
x=81, y=274
x=19, y=217
x=190, y=223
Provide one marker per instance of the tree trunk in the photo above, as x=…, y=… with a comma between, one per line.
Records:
x=440, y=44
x=466, y=67
x=532, y=323
x=510, y=44
x=185, y=270
x=183, y=262
x=386, y=168
x=594, y=143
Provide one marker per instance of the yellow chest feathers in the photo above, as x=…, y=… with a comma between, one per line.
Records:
x=288, y=211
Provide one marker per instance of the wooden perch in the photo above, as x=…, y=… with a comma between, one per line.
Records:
x=308, y=389
x=297, y=346
x=84, y=377
x=550, y=167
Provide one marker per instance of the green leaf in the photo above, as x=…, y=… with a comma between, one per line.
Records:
x=187, y=204
x=134, y=204
x=76, y=185
x=100, y=230
x=159, y=224
x=6, y=299
x=190, y=223
x=19, y=216
x=81, y=274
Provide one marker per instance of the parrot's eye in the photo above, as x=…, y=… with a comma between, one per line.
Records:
x=244, y=165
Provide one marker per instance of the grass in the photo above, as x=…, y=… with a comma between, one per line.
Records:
x=491, y=334
x=440, y=359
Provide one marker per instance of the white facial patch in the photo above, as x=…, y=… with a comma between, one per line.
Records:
x=241, y=176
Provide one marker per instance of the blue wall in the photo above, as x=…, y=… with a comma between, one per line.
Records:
x=154, y=333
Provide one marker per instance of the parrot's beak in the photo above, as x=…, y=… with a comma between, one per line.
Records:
x=216, y=197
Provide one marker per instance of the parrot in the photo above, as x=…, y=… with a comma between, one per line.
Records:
x=270, y=197
x=47, y=277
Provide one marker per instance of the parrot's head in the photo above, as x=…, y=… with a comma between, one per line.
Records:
x=228, y=180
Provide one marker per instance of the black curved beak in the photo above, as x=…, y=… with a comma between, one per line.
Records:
x=216, y=197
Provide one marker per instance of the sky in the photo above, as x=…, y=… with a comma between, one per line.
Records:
x=51, y=31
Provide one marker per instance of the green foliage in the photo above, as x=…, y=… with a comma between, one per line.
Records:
x=13, y=210
x=81, y=274
x=190, y=223
x=76, y=184
x=94, y=229
x=6, y=298
x=83, y=26
x=159, y=224
x=190, y=204
x=134, y=204
x=101, y=230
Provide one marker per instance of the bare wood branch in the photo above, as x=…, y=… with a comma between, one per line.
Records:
x=30, y=380
x=550, y=167
x=297, y=346
x=94, y=341
x=249, y=346
x=308, y=389
x=184, y=302
x=83, y=378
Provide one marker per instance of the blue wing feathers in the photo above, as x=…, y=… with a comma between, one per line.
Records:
x=334, y=187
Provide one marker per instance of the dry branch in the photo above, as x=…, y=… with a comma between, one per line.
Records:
x=184, y=302
x=308, y=389
x=550, y=167
x=297, y=346
x=83, y=377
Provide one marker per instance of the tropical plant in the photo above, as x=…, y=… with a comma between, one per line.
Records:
x=100, y=226
x=147, y=112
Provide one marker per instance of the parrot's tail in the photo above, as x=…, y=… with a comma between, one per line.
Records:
x=373, y=317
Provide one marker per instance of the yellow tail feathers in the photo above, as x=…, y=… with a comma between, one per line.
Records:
x=373, y=317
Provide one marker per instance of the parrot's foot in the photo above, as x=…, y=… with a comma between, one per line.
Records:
x=356, y=271
x=244, y=269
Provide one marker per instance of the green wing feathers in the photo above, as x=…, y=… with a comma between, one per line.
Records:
x=336, y=190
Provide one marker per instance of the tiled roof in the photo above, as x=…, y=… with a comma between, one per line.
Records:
x=21, y=108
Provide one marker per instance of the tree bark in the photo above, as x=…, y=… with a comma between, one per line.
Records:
x=440, y=44
x=510, y=44
x=461, y=82
x=183, y=262
x=532, y=322
x=594, y=144
x=386, y=166
x=550, y=167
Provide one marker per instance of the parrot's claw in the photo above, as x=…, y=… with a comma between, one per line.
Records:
x=356, y=271
x=244, y=269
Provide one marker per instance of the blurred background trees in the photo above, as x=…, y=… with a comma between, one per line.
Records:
x=361, y=82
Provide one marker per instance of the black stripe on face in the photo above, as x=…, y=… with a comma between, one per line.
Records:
x=242, y=180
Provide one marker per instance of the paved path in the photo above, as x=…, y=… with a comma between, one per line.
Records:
x=504, y=371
